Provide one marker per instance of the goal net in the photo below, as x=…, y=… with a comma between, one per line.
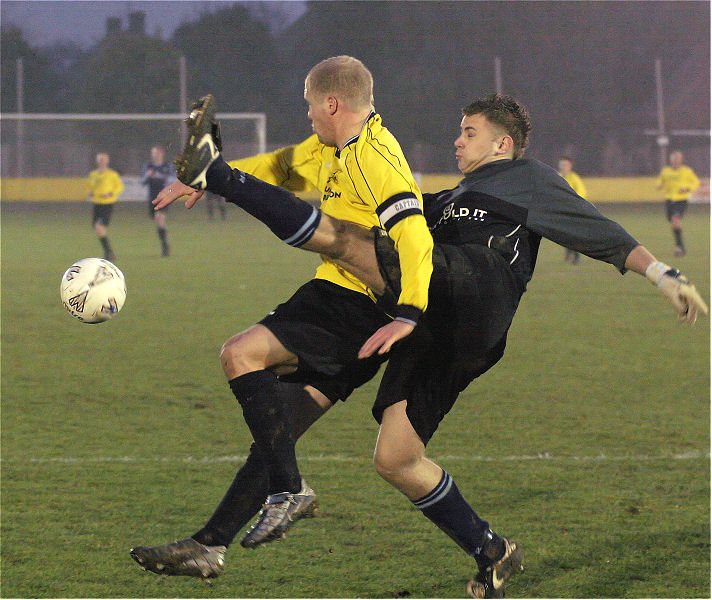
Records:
x=64, y=145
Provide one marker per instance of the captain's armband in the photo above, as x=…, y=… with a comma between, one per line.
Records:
x=397, y=208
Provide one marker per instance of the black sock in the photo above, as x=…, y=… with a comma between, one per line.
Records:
x=162, y=235
x=248, y=490
x=264, y=408
x=241, y=502
x=292, y=220
x=105, y=245
x=446, y=507
x=678, y=237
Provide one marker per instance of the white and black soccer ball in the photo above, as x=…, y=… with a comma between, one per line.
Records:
x=93, y=290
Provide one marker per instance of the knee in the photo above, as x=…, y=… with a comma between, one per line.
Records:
x=236, y=358
x=392, y=464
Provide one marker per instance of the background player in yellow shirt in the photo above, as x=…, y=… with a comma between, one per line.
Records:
x=572, y=178
x=678, y=181
x=105, y=185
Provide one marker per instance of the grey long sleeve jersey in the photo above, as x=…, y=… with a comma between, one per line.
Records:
x=511, y=204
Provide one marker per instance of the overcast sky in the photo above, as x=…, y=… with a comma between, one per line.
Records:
x=46, y=22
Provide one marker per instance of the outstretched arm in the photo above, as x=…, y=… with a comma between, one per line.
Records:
x=672, y=284
x=639, y=260
x=175, y=190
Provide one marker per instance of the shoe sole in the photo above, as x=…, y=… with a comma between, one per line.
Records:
x=511, y=566
x=195, y=124
x=197, y=129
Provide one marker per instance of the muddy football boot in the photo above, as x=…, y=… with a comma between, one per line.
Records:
x=203, y=145
x=278, y=514
x=491, y=582
x=184, y=557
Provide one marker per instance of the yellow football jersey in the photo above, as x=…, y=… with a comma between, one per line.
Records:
x=105, y=187
x=678, y=183
x=368, y=182
x=576, y=184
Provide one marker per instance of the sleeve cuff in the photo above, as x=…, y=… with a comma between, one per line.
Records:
x=407, y=313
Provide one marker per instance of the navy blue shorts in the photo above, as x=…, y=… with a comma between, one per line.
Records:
x=472, y=299
x=325, y=325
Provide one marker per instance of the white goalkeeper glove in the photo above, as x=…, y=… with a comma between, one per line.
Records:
x=678, y=290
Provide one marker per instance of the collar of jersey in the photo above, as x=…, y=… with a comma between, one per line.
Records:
x=358, y=135
x=489, y=167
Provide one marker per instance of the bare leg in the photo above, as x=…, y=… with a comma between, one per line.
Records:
x=255, y=349
x=350, y=246
x=676, y=223
x=101, y=232
x=400, y=459
x=159, y=218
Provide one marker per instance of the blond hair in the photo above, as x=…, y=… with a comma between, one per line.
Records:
x=343, y=76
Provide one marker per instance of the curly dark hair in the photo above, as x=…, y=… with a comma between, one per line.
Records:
x=506, y=112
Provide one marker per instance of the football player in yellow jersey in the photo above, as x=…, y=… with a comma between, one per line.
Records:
x=677, y=181
x=566, y=170
x=360, y=182
x=287, y=370
x=105, y=185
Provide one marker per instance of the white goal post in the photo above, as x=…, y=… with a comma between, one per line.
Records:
x=23, y=144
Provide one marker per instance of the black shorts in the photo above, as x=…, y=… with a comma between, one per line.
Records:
x=101, y=215
x=472, y=299
x=325, y=325
x=675, y=208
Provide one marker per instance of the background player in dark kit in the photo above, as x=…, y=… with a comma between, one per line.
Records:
x=156, y=174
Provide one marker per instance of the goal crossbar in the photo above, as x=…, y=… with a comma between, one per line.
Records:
x=260, y=119
x=121, y=116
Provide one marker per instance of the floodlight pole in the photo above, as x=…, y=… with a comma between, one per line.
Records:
x=498, y=75
x=182, y=101
x=661, y=136
x=20, y=82
x=662, y=139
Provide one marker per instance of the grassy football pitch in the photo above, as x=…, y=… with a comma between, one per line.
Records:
x=588, y=443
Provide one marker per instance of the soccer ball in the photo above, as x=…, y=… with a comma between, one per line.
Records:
x=93, y=290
